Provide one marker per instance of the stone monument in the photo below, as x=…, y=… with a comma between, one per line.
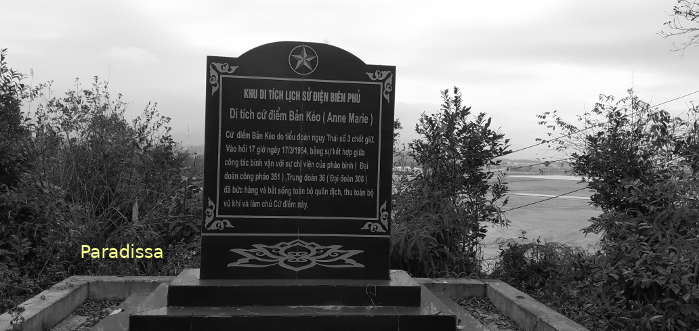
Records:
x=297, y=192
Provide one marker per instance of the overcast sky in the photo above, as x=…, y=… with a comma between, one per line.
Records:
x=512, y=59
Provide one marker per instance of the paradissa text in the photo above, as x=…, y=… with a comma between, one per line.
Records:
x=128, y=252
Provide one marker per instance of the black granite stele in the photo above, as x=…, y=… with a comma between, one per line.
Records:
x=297, y=164
x=297, y=202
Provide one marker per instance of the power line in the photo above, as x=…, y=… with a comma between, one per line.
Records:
x=545, y=162
x=592, y=127
x=573, y=191
x=568, y=135
x=680, y=97
x=547, y=199
x=552, y=140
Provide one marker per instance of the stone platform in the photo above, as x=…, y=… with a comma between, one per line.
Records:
x=288, y=318
x=296, y=304
x=56, y=304
x=188, y=290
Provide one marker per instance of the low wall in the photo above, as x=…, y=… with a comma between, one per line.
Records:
x=51, y=306
x=527, y=312
x=54, y=304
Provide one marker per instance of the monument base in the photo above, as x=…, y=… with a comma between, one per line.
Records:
x=189, y=290
x=296, y=304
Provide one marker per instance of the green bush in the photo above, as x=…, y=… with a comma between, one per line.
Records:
x=80, y=173
x=632, y=286
x=650, y=270
x=14, y=133
x=642, y=164
x=439, y=215
x=558, y=275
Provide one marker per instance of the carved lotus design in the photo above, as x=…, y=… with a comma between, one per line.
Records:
x=381, y=226
x=296, y=255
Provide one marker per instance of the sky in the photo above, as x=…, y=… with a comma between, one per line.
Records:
x=512, y=59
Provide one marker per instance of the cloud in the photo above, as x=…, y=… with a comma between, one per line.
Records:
x=512, y=58
x=132, y=54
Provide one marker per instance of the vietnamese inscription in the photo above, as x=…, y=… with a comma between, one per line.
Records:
x=292, y=148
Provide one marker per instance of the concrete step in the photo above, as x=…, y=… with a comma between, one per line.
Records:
x=188, y=290
x=295, y=318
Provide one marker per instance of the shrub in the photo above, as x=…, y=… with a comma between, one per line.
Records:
x=440, y=214
x=83, y=174
x=650, y=270
x=643, y=165
x=14, y=133
x=558, y=275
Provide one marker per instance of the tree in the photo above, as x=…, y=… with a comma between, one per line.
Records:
x=78, y=172
x=642, y=164
x=14, y=133
x=684, y=21
x=622, y=146
x=396, y=132
x=441, y=214
x=107, y=165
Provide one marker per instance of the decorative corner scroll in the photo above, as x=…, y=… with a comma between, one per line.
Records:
x=215, y=69
x=381, y=226
x=296, y=255
x=386, y=79
x=211, y=223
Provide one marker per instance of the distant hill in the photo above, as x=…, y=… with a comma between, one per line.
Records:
x=199, y=149
x=402, y=160
x=538, y=167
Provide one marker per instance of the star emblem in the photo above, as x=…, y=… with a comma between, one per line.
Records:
x=303, y=59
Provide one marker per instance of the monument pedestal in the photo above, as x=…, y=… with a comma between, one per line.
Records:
x=296, y=228
x=296, y=304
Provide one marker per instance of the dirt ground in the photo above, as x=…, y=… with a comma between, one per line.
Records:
x=485, y=312
x=87, y=315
